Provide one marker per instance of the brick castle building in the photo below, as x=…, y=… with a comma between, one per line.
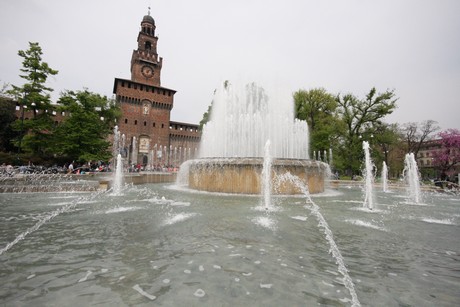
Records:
x=151, y=138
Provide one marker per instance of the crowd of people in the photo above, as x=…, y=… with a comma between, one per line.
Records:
x=154, y=168
x=89, y=167
x=83, y=168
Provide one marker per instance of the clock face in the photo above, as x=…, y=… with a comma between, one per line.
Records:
x=147, y=71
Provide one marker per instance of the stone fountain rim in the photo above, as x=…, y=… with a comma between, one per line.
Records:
x=256, y=161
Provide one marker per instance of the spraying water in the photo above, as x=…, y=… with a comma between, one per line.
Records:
x=334, y=249
x=266, y=176
x=47, y=218
x=368, y=178
x=330, y=157
x=243, y=118
x=384, y=177
x=411, y=176
x=134, y=151
x=116, y=142
x=118, y=179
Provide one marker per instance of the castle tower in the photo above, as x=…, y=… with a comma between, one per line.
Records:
x=145, y=63
x=145, y=104
x=151, y=138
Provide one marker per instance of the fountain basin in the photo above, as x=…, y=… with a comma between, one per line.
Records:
x=244, y=175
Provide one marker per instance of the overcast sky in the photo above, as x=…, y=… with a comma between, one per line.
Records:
x=344, y=46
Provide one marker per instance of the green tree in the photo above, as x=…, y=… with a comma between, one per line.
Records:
x=7, y=117
x=319, y=109
x=387, y=140
x=36, y=133
x=206, y=117
x=361, y=118
x=89, y=120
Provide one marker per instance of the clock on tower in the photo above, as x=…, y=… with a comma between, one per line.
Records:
x=147, y=71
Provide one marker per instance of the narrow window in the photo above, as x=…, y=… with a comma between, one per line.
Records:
x=135, y=122
x=126, y=120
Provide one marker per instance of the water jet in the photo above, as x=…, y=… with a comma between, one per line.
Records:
x=368, y=178
x=411, y=176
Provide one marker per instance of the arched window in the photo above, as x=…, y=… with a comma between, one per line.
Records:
x=148, y=45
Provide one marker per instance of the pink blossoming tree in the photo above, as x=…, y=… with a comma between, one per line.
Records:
x=448, y=154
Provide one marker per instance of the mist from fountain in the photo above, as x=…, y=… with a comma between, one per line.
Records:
x=368, y=174
x=384, y=177
x=411, y=176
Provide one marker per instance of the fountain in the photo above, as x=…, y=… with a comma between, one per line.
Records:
x=411, y=176
x=117, y=161
x=331, y=161
x=118, y=177
x=134, y=152
x=232, y=145
x=266, y=177
x=368, y=174
x=172, y=246
x=384, y=177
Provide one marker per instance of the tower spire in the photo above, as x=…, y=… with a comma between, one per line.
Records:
x=148, y=12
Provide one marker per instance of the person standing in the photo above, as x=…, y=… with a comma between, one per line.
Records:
x=70, y=168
